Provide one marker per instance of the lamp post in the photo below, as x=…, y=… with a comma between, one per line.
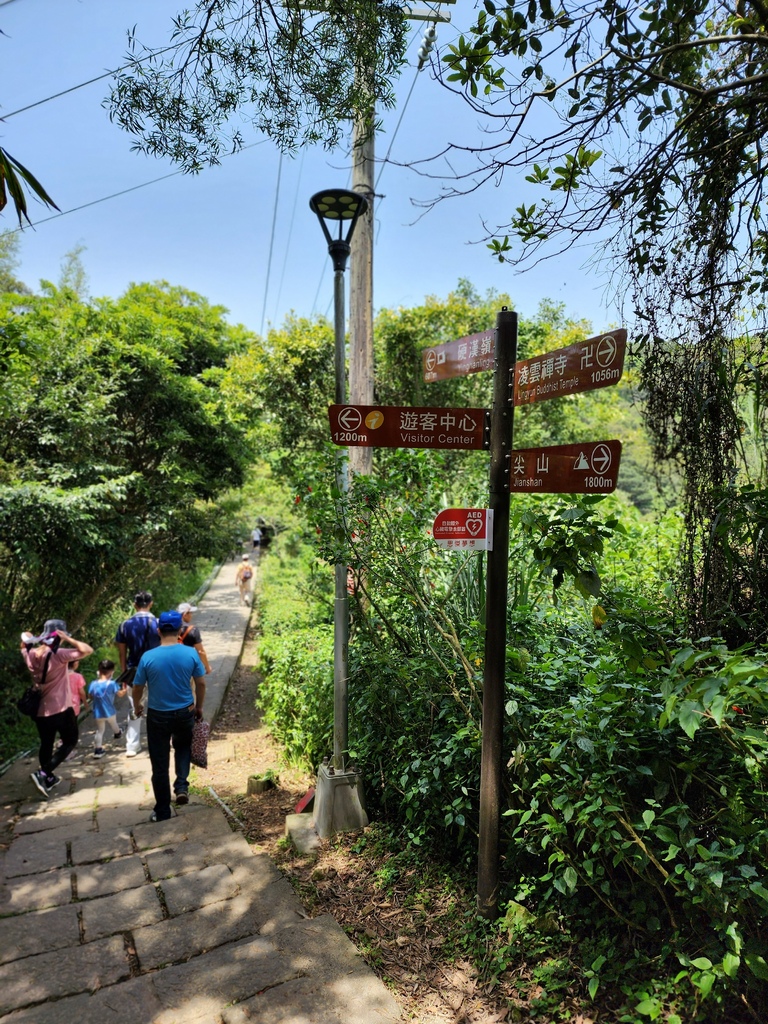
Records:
x=339, y=800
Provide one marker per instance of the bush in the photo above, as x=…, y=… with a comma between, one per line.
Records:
x=296, y=692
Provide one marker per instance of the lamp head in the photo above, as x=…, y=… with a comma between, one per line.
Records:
x=338, y=207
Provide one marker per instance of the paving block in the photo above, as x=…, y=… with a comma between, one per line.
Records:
x=184, y=857
x=301, y=830
x=99, y=846
x=200, y=931
x=47, y=816
x=131, y=1002
x=189, y=892
x=197, y=823
x=196, y=992
x=102, y=879
x=132, y=909
x=77, y=969
x=35, y=892
x=39, y=932
x=38, y=852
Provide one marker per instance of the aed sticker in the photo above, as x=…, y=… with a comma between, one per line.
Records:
x=374, y=419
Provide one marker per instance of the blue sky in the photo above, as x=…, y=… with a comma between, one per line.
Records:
x=212, y=232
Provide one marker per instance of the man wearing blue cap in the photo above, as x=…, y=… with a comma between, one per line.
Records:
x=172, y=708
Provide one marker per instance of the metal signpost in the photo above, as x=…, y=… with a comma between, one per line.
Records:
x=588, y=468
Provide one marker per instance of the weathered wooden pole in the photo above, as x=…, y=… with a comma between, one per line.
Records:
x=496, y=615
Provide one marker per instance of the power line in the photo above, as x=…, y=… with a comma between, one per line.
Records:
x=122, y=192
x=290, y=234
x=271, y=242
x=98, y=78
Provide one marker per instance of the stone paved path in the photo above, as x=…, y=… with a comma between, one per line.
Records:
x=107, y=918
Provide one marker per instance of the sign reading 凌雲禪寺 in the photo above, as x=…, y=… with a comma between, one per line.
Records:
x=595, y=363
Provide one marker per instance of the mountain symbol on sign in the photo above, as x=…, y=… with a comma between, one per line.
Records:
x=581, y=462
x=473, y=527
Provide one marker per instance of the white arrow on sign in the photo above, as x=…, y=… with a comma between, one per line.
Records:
x=431, y=360
x=601, y=459
x=349, y=418
x=606, y=351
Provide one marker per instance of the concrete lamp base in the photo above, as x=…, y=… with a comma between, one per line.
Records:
x=339, y=802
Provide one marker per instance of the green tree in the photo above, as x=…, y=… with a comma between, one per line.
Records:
x=654, y=125
x=10, y=244
x=116, y=443
x=293, y=72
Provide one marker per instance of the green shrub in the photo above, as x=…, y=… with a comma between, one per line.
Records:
x=296, y=692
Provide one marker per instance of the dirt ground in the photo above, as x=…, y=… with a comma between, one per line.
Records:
x=400, y=939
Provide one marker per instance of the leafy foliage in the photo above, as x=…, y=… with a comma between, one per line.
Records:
x=116, y=446
x=293, y=73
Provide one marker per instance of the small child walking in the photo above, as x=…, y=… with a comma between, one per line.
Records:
x=76, y=687
x=102, y=692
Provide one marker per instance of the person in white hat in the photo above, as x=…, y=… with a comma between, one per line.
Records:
x=190, y=635
x=244, y=579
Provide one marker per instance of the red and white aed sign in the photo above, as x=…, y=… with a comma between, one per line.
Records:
x=464, y=529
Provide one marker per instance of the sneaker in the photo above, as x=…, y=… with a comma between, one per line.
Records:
x=153, y=816
x=117, y=735
x=182, y=798
x=39, y=780
x=99, y=752
x=131, y=753
x=51, y=781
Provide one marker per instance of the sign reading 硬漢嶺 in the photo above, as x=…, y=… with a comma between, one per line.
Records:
x=459, y=358
x=464, y=529
x=591, y=468
x=595, y=363
x=390, y=426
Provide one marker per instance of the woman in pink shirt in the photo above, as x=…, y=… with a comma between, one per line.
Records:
x=48, y=661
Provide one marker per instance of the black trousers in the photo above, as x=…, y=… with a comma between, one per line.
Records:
x=65, y=724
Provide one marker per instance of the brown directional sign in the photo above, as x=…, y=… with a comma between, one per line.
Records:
x=591, y=468
x=459, y=358
x=389, y=426
x=595, y=363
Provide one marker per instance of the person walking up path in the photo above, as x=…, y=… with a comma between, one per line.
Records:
x=108, y=917
x=103, y=691
x=48, y=660
x=244, y=580
x=168, y=671
x=137, y=634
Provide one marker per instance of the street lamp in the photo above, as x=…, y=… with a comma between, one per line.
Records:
x=339, y=798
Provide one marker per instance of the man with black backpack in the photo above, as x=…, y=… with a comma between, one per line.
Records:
x=135, y=635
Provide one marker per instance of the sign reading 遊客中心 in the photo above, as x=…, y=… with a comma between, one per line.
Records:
x=595, y=363
x=392, y=426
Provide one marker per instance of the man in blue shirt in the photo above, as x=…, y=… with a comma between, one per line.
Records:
x=168, y=671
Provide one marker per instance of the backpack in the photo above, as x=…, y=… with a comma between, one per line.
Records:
x=246, y=574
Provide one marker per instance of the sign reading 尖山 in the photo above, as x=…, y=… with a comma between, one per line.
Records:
x=595, y=363
x=459, y=358
x=591, y=468
x=390, y=426
x=464, y=529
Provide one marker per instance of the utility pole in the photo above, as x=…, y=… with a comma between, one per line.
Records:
x=361, y=361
